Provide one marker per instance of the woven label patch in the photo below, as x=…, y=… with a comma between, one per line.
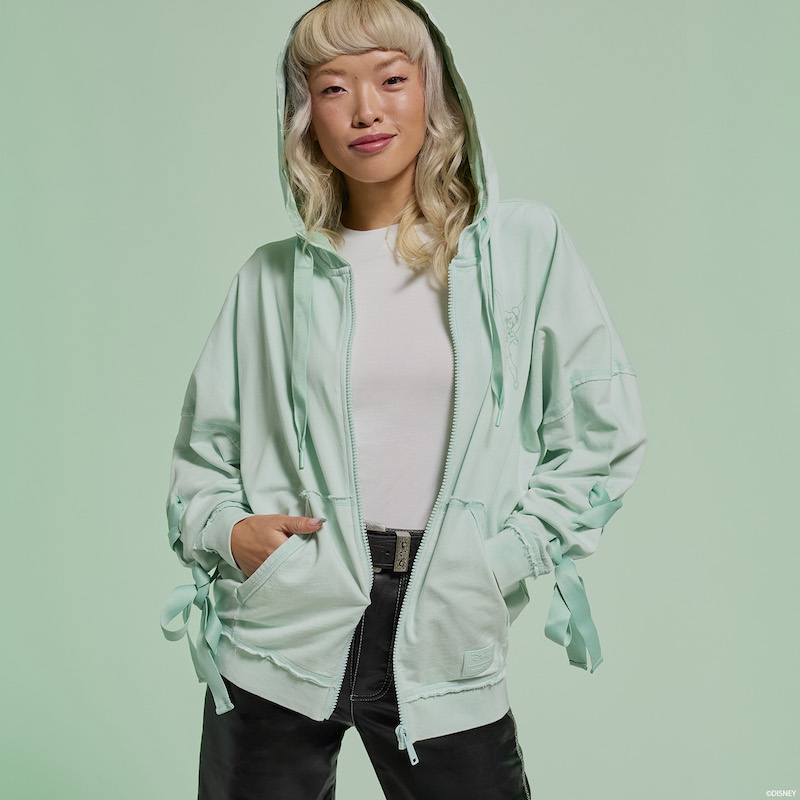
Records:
x=476, y=661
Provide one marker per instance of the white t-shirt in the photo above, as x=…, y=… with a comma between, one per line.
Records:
x=402, y=373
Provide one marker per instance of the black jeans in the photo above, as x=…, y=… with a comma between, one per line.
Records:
x=263, y=750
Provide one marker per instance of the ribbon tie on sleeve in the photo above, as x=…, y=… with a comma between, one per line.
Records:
x=174, y=512
x=601, y=511
x=180, y=602
x=569, y=621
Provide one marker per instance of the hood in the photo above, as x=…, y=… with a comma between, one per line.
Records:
x=474, y=243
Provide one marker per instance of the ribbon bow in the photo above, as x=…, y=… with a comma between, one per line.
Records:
x=180, y=602
x=569, y=621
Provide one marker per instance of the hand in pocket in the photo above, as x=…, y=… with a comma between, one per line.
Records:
x=255, y=538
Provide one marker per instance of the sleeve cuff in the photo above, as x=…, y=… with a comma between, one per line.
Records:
x=511, y=559
x=217, y=533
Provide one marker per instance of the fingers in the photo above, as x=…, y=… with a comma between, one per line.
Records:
x=301, y=524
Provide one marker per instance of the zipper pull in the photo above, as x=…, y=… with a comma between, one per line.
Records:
x=404, y=743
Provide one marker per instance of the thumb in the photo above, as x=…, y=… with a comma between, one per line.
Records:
x=302, y=524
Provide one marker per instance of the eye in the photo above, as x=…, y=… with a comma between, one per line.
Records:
x=330, y=90
x=399, y=78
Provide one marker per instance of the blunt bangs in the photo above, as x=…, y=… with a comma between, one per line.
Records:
x=336, y=29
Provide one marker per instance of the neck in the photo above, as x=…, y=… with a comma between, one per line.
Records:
x=376, y=205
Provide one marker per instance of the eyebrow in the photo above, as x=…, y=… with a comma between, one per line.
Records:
x=387, y=62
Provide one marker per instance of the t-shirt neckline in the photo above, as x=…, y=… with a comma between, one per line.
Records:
x=345, y=229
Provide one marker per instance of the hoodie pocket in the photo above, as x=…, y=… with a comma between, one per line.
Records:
x=479, y=515
x=456, y=630
x=270, y=565
x=516, y=597
x=478, y=512
x=300, y=607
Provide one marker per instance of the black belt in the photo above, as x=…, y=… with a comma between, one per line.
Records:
x=392, y=548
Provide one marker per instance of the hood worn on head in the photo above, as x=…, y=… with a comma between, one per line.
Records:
x=474, y=243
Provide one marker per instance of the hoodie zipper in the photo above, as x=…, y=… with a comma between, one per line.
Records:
x=351, y=430
x=401, y=731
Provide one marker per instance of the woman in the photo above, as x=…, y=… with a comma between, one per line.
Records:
x=401, y=413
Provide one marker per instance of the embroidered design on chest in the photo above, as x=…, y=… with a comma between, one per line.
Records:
x=512, y=321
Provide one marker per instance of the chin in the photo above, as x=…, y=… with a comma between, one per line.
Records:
x=375, y=174
x=375, y=177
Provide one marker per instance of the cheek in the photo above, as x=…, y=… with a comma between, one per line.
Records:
x=417, y=122
x=414, y=112
x=319, y=123
x=314, y=127
x=326, y=126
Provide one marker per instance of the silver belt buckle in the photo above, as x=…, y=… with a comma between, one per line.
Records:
x=402, y=551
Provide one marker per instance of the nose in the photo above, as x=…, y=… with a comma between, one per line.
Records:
x=368, y=108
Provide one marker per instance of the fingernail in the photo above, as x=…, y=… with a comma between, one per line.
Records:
x=317, y=520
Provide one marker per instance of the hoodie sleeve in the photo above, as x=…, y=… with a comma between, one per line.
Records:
x=583, y=407
x=206, y=494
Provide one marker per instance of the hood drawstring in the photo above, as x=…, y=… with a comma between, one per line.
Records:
x=486, y=176
x=487, y=282
x=302, y=307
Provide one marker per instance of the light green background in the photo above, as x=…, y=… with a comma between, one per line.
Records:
x=139, y=173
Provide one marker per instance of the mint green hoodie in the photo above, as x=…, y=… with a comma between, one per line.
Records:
x=547, y=436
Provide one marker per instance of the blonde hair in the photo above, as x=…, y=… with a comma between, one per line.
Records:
x=444, y=194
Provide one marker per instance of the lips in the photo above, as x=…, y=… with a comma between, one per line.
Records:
x=373, y=143
x=373, y=137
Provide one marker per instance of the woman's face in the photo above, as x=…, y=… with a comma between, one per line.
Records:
x=378, y=92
